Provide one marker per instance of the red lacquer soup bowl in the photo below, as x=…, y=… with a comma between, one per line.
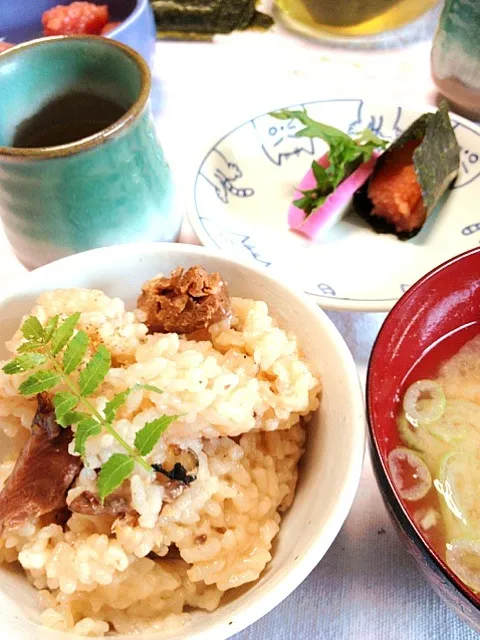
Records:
x=435, y=316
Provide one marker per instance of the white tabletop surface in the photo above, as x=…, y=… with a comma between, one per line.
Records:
x=367, y=587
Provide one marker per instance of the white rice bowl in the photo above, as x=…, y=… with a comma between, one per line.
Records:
x=229, y=525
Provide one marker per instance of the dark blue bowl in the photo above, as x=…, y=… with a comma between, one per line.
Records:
x=21, y=20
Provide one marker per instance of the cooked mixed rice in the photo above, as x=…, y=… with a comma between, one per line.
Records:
x=243, y=397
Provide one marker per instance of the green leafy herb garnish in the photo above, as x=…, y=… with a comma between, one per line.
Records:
x=117, y=469
x=38, y=382
x=64, y=402
x=75, y=352
x=148, y=437
x=50, y=327
x=95, y=371
x=85, y=429
x=61, y=336
x=32, y=329
x=56, y=351
x=345, y=155
x=115, y=403
x=25, y=362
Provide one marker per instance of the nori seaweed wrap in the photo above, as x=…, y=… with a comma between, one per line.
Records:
x=411, y=176
x=202, y=19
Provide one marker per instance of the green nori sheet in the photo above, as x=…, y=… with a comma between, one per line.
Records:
x=207, y=17
x=436, y=161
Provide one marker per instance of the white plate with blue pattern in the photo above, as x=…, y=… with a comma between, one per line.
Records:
x=246, y=181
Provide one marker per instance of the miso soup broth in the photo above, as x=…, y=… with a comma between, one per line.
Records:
x=435, y=461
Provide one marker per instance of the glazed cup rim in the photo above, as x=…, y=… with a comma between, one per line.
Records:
x=89, y=142
x=372, y=424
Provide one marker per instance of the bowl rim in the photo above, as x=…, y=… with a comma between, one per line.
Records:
x=130, y=19
x=412, y=291
x=321, y=540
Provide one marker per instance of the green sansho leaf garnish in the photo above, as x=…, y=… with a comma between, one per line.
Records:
x=75, y=352
x=63, y=334
x=32, y=329
x=147, y=387
x=95, y=371
x=50, y=327
x=115, y=403
x=85, y=429
x=53, y=353
x=150, y=434
x=117, y=469
x=64, y=402
x=345, y=155
x=28, y=347
x=38, y=382
x=25, y=362
x=72, y=417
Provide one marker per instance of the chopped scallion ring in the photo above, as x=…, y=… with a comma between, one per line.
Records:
x=410, y=474
x=424, y=403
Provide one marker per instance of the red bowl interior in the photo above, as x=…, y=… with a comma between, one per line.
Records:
x=441, y=302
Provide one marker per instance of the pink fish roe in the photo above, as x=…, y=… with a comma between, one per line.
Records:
x=76, y=18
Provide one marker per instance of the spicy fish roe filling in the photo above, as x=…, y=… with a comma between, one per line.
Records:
x=76, y=18
x=395, y=191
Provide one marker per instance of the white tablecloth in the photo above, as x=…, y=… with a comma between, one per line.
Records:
x=367, y=587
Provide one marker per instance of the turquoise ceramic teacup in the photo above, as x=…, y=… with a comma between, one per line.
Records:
x=80, y=164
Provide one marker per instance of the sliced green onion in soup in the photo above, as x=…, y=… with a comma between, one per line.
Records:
x=463, y=557
x=451, y=476
x=447, y=433
x=424, y=402
x=410, y=435
x=410, y=474
x=460, y=423
x=430, y=447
